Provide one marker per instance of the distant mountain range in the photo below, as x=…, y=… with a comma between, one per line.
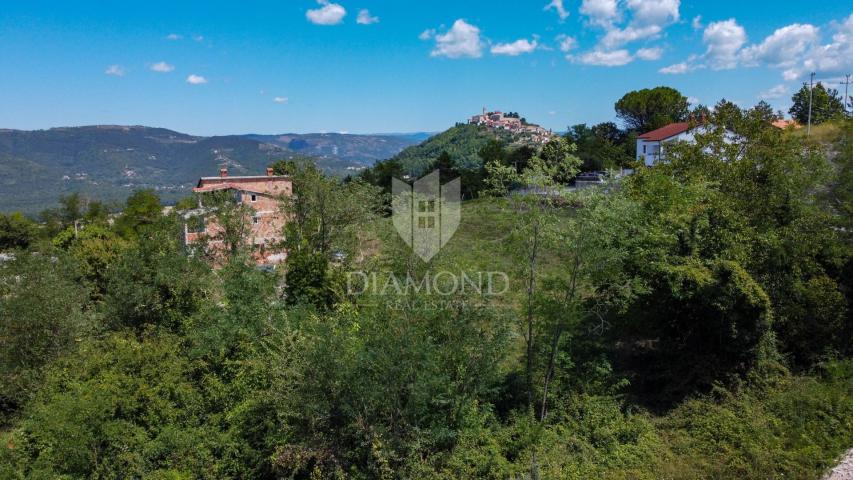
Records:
x=108, y=162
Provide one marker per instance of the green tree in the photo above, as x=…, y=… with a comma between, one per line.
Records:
x=728, y=114
x=327, y=215
x=16, y=231
x=122, y=407
x=825, y=104
x=141, y=209
x=42, y=313
x=381, y=173
x=493, y=151
x=310, y=281
x=154, y=282
x=651, y=108
x=95, y=248
x=284, y=167
x=556, y=161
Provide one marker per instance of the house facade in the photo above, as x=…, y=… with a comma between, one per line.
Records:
x=651, y=146
x=263, y=195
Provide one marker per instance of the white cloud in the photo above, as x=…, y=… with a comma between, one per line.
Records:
x=654, y=12
x=558, y=6
x=115, y=70
x=600, y=12
x=614, y=58
x=280, y=99
x=515, y=48
x=198, y=38
x=784, y=47
x=835, y=57
x=697, y=22
x=653, y=53
x=616, y=37
x=194, y=79
x=724, y=40
x=173, y=36
x=567, y=43
x=365, y=18
x=427, y=34
x=677, y=69
x=693, y=101
x=462, y=40
x=327, y=14
x=648, y=19
x=778, y=91
x=161, y=67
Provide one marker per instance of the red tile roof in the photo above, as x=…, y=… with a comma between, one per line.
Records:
x=665, y=132
x=269, y=185
x=783, y=124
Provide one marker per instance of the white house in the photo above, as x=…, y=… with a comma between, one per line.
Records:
x=651, y=146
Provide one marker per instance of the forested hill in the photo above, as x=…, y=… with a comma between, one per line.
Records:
x=360, y=149
x=462, y=142
x=108, y=162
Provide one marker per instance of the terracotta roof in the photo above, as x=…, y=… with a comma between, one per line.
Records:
x=269, y=185
x=783, y=124
x=665, y=132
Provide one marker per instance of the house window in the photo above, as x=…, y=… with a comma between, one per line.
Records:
x=256, y=220
x=644, y=149
x=254, y=198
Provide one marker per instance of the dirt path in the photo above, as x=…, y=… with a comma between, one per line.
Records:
x=844, y=469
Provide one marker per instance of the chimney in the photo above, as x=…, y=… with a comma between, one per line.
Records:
x=223, y=172
x=269, y=172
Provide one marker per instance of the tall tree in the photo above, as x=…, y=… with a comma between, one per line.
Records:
x=16, y=231
x=826, y=104
x=141, y=209
x=651, y=108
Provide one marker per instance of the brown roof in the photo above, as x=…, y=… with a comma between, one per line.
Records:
x=783, y=124
x=665, y=132
x=270, y=185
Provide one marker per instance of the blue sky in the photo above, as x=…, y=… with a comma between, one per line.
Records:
x=309, y=66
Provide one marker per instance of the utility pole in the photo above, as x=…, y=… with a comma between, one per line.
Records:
x=811, y=94
x=846, y=82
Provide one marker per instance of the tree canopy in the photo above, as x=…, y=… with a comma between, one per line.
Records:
x=651, y=108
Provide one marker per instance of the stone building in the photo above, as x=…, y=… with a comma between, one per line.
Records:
x=263, y=195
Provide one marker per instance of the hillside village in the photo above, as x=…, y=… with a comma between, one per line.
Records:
x=514, y=124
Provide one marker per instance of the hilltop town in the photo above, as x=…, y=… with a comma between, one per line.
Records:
x=512, y=122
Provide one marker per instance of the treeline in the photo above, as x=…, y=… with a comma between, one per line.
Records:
x=689, y=321
x=467, y=150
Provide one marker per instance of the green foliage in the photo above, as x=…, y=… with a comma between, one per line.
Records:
x=366, y=391
x=42, y=314
x=141, y=209
x=16, y=231
x=693, y=288
x=462, y=142
x=650, y=108
x=602, y=146
x=556, y=161
x=153, y=283
x=825, y=104
x=310, y=281
x=95, y=248
x=120, y=408
x=327, y=215
x=98, y=162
